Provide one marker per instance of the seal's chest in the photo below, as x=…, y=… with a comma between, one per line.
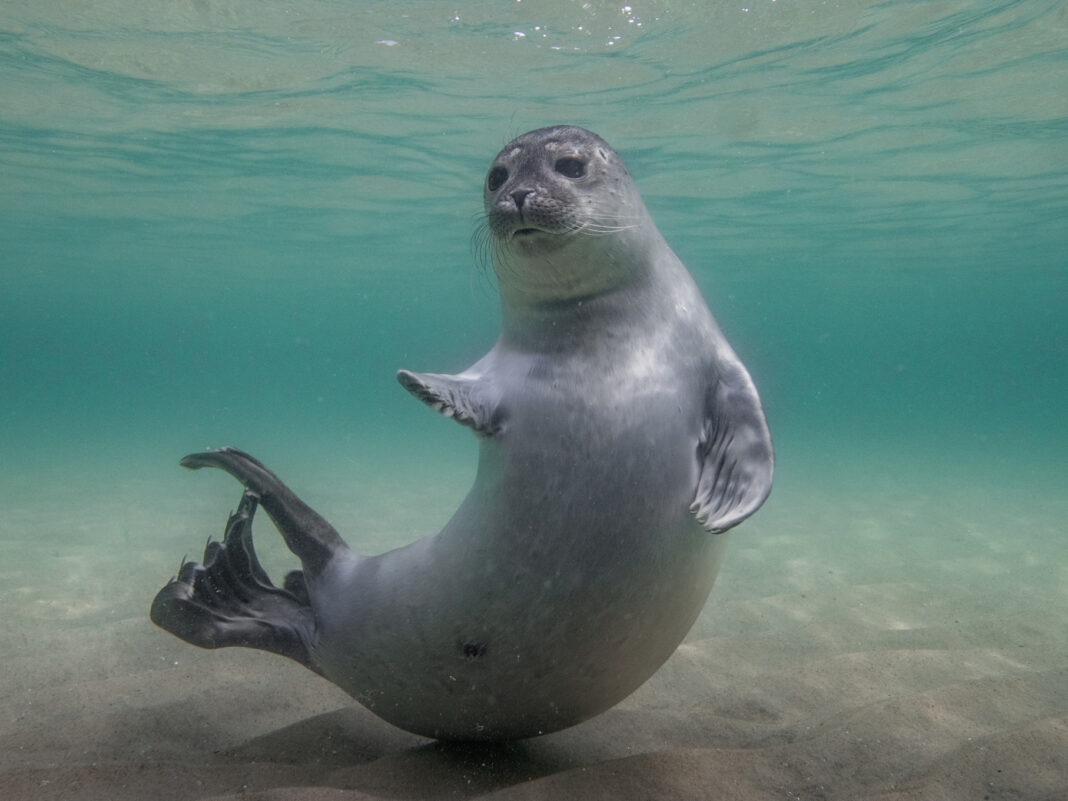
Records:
x=614, y=419
x=637, y=384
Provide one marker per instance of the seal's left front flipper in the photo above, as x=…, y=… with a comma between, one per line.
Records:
x=470, y=401
x=735, y=453
x=230, y=601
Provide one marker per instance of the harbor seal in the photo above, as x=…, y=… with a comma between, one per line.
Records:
x=619, y=436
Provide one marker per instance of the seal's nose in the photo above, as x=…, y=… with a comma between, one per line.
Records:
x=520, y=197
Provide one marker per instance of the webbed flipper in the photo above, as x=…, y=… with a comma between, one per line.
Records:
x=230, y=601
x=735, y=452
x=313, y=540
x=463, y=398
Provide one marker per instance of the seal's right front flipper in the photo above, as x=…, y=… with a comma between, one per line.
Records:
x=307, y=534
x=468, y=400
x=230, y=601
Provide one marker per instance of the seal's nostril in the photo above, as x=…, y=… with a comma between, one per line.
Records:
x=520, y=197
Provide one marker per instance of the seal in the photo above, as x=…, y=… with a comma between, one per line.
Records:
x=619, y=436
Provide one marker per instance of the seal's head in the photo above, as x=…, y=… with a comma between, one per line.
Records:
x=564, y=216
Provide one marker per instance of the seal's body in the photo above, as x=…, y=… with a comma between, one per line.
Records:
x=619, y=435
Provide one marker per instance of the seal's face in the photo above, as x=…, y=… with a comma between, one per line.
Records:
x=548, y=194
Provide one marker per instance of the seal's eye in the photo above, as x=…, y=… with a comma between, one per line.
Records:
x=496, y=178
x=570, y=168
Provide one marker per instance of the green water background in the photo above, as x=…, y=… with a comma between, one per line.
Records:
x=230, y=223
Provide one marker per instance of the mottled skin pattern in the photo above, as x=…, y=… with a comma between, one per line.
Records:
x=619, y=436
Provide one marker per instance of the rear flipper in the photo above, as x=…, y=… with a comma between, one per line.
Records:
x=230, y=600
x=314, y=541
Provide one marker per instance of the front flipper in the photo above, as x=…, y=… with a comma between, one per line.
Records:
x=230, y=601
x=460, y=397
x=737, y=461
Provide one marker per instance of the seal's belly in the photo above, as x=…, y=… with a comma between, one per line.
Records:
x=515, y=657
x=569, y=574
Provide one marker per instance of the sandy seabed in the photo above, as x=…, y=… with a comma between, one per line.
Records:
x=869, y=638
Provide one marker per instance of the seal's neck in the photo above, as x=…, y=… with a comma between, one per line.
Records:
x=552, y=301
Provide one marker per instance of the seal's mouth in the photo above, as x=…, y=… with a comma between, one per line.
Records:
x=527, y=235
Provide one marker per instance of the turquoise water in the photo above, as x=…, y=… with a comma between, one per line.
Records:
x=231, y=222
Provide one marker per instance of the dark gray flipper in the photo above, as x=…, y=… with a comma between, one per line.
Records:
x=314, y=541
x=229, y=600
